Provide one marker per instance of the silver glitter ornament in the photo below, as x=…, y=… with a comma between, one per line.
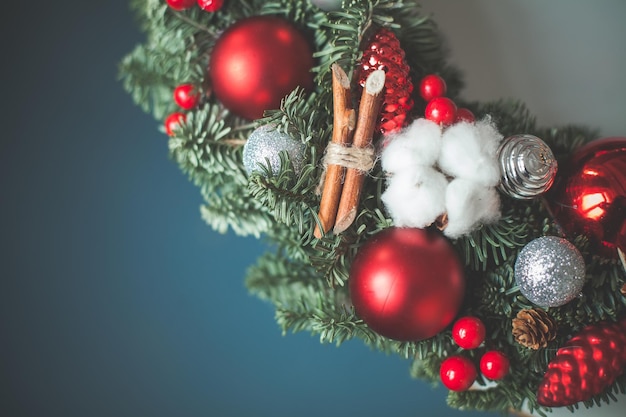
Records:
x=527, y=166
x=265, y=144
x=550, y=271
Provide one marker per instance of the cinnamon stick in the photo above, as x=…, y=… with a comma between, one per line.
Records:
x=371, y=100
x=344, y=120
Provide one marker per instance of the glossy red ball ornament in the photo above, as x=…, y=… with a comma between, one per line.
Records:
x=457, y=373
x=441, y=110
x=186, y=96
x=180, y=4
x=432, y=86
x=468, y=332
x=210, y=5
x=464, y=115
x=406, y=283
x=494, y=365
x=173, y=121
x=589, y=195
x=258, y=61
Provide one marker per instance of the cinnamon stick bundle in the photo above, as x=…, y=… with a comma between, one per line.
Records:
x=344, y=121
x=371, y=100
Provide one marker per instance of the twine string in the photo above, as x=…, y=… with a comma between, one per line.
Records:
x=362, y=159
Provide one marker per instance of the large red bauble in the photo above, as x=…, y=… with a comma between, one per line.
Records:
x=407, y=284
x=258, y=61
x=589, y=195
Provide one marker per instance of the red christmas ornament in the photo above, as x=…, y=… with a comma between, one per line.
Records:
x=258, y=61
x=457, y=373
x=441, y=110
x=432, y=86
x=585, y=366
x=407, y=284
x=186, y=96
x=464, y=115
x=468, y=332
x=173, y=121
x=589, y=195
x=384, y=53
x=210, y=5
x=180, y=4
x=494, y=365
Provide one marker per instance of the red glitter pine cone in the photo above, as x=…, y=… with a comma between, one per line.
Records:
x=383, y=52
x=585, y=366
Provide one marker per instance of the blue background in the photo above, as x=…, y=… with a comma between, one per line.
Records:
x=115, y=298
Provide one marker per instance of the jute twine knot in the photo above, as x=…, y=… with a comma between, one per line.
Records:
x=362, y=159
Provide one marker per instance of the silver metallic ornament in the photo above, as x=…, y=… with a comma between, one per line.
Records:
x=527, y=166
x=550, y=271
x=265, y=144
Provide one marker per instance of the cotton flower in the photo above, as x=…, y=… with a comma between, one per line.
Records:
x=469, y=204
x=416, y=197
x=468, y=151
x=418, y=144
x=453, y=172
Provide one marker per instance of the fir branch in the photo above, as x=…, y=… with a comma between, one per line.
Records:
x=302, y=117
x=288, y=198
x=279, y=279
x=492, y=244
x=228, y=208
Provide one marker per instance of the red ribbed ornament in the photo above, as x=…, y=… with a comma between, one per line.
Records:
x=585, y=366
x=384, y=53
x=589, y=195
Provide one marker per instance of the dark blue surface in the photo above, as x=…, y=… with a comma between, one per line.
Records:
x=115, y=298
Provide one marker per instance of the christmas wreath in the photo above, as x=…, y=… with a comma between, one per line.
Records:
x=487, y=250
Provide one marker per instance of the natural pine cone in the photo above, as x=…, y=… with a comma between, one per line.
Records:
x=534, y=328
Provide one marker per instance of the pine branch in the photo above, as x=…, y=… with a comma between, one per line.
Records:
x=207, y=149
x=230, y=210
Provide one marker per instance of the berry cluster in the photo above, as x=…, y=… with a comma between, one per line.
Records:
x=441, y=109
x=207, y=5
x=458, y=372
x=187, y=98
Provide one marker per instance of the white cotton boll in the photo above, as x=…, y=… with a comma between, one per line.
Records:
x=466, y=152
x=469, y=205
x=418, y=144
x=489, y=135
x=415, y=199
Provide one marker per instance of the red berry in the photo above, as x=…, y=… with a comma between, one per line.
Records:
x=180, y=4
x=464, y=115
x=494, y=364
x=173, y=121
x=457, y=373
x=210, y=5
x=441, y=110
x=186, y=96
x=468, y=332
x=432, y=86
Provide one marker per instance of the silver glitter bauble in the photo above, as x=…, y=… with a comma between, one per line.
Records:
x=527, y=166
x=550, y=271
x=265, y=144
